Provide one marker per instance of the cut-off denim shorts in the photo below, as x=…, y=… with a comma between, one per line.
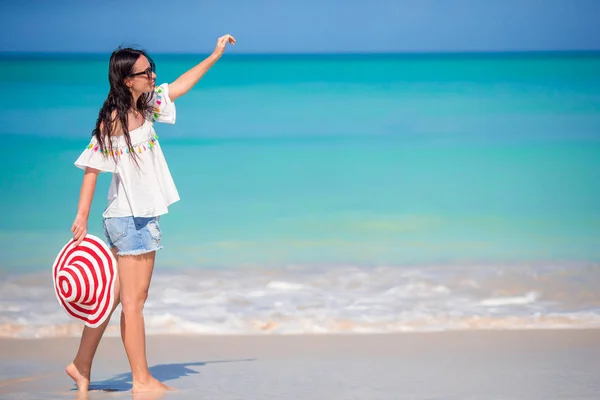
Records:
x=132, y=235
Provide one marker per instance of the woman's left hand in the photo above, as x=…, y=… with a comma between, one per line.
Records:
x=186, y=81
x=222, y=42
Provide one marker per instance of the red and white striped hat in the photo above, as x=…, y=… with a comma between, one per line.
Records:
x=84, y=280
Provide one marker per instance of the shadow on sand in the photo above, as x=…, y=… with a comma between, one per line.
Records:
x=162, y=372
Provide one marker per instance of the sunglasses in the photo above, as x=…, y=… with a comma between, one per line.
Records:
x=148, y=71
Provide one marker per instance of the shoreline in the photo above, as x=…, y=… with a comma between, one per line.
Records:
x=267, y=334
x=344, y=300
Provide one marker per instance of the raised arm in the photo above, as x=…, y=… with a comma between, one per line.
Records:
x=185, y=82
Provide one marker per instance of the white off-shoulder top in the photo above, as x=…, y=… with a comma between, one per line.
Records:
x=145, y=189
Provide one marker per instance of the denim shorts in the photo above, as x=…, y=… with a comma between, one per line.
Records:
x=132, y=235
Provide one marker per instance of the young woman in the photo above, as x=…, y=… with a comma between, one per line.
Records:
x=125, y=144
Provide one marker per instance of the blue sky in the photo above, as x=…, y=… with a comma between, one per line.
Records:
x=305, y=26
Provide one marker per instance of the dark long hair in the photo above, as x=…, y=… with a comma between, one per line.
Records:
x=120, y=100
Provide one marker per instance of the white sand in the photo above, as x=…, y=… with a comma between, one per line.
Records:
x=537, y=365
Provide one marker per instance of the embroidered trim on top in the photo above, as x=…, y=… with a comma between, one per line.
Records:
x=159, y=101
x=139, y=147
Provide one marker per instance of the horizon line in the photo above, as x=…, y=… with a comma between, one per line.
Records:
x=318, y=53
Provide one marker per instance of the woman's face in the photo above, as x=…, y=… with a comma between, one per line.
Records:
x=143, y=78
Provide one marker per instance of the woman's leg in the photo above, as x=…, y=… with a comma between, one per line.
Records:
x=135, y=273
x=79, y=370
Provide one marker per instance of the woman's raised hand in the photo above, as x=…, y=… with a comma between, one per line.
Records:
x=222, y=42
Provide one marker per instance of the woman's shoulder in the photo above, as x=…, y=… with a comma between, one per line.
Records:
x=115, y=125
x=163, y=109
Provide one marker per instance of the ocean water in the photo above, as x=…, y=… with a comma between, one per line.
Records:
x=328, y=193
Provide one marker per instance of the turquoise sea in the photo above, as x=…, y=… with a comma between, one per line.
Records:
x=328, y=193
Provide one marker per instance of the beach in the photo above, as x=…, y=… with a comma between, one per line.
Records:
x=350, y=227
x=511, y=364
x=369, y=199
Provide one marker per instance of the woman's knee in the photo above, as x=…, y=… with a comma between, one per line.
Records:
x=134, y=281
x=134, y=302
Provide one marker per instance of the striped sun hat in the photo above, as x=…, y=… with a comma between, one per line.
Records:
x=84, y=280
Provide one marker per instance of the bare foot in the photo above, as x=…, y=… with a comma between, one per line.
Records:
x=152, y=385
x=82, y=381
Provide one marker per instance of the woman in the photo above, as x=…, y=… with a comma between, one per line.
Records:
x=125, y=144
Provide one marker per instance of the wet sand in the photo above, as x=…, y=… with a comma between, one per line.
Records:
x=535, y=364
